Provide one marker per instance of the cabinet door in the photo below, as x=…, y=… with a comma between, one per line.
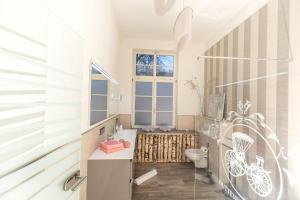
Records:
x=108, y=179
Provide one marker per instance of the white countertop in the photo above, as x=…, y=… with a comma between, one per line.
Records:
x=126, y=153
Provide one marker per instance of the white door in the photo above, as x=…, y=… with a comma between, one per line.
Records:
x=40, y=92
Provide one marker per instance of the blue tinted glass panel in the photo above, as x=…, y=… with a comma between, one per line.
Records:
x=166, y=71
x=164, y=118
x=142, y=70
x=143, y=88
x=99, y=86
x=165, y=60
x=144, y=59
x=164, y=89
x=164, y=103
x=99, y=102
x=143, y=103
x=165, y=65
x=97, y=116
x=143, y=118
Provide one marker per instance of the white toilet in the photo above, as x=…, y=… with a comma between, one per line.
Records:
x=198, y=156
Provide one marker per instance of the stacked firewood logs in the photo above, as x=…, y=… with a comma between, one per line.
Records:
x=164, y=147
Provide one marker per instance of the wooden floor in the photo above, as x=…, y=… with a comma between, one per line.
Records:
x=175, y=181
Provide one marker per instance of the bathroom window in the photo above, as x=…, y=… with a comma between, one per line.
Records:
x=164, y=65
x=98, y=101
x=104, y=95
x=164, y=103
x=143, y=103
x=99, y=94
x=144, y=64
x=159, y=65
x=154, y=89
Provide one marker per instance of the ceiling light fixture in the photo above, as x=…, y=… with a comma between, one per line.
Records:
x=163, y=6
x=183, y=28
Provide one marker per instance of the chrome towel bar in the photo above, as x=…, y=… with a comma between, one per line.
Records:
x=74, y=181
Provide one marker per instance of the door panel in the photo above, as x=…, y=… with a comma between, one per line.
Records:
x=154, y=104
x=164, y=115
x=40, y=92
x=143, y=103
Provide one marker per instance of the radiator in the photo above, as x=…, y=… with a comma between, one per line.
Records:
x=164, y=147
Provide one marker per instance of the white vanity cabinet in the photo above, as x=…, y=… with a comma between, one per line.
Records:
x=110, y=176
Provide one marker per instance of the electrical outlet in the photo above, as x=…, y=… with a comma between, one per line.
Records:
x=102, y=131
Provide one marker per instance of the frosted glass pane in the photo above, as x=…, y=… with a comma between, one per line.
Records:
x=97, y=116
x=164, y=118
x=143, y=118
x=164, y=103
x=99, y=102
x=164, y=89
x=143, y=88
x=143, y=103
x=99, y=86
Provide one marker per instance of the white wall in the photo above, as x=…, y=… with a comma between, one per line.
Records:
x=188, y=66
x=101, y=43
x=94, y=20
x=236, y=20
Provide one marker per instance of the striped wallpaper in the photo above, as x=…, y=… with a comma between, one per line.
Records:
x=263, y=35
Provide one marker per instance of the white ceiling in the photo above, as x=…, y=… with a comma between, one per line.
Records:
x=137, y=18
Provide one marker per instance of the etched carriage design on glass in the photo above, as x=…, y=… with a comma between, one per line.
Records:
x=243, y=129
x=235, y=162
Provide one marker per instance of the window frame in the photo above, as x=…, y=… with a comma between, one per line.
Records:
x=154, y=79
x=98, y=77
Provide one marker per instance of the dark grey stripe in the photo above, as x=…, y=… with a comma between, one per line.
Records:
x=261, y=71
x=218, y=67
x=205, y=82
x=235, y=68
x=234, y=74
x=246, y=87
x=247, y=50
x=211, y=71
x=225, y=69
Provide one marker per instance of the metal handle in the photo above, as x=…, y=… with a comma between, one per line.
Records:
x=74, y=181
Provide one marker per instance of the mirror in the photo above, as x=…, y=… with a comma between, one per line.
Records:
x=216, y=106
x=104, y=95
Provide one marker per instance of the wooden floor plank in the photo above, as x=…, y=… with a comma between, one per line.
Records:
x=175, y=181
